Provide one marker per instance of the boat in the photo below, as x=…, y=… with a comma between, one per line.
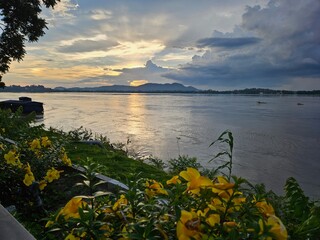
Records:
x=28, y=106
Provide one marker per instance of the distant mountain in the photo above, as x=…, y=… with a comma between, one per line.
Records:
x=155, y=88
x=148, y=87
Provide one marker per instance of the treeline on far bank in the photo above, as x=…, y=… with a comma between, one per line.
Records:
x=246, y=91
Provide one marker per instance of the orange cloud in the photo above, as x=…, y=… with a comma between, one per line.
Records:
x=136, y=83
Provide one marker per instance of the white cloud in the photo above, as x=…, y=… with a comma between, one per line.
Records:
x=101, y=14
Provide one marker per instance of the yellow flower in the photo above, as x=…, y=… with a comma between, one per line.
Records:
x=154, y=188
x=237, y=203
x=174, y=180
x=278, y=230
x=217, y=205
x=223, y=188
x=223, y=184
x=70, y=236
x=71, y=209
x=28, y=168
x=122, y=201
x=66, y=160
x=12, y=157
x=188, y=227
x=195, y=180
x=28, y=179
x=213, y=219
x=35, y=144
x=45, y=142
x=52, y=174
x=230, y=225
x=265, y=208
x=42, y=184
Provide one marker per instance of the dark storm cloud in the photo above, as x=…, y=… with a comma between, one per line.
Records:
x=227, y=42
x=149, y=72
x=283, y=45
x=149, y=67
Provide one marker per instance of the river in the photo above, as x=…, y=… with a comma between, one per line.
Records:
x=275, y=137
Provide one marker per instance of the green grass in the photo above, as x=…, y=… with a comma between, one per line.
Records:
x=115, y=163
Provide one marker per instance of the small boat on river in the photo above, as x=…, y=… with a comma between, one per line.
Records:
x=28, y=106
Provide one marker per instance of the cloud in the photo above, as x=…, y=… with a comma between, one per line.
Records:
x=207, y=44
x=99, y=14
x=282, y=44
x=87, y=46
x=63, y=12
x=227, y=42
x=150, y=72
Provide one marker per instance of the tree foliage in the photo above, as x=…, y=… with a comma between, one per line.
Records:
x=20, y=22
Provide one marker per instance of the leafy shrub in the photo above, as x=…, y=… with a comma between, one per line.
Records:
x=27, y=164
x=301, y=215
x=187, y=206
x=181, y=163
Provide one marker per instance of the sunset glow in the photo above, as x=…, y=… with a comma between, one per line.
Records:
x=208, y=44
x=136, y=83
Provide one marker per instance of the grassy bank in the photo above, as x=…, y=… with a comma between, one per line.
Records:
x=114, y=163
x=54, y=201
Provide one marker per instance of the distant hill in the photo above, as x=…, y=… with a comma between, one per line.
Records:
x=148, y=87
x=156, y=88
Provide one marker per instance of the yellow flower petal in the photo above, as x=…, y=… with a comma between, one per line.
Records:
x=190, y=174
x=277, y=228
x=154, y=188
x=28, y=179
x=213, y=219
x=70, y=236
x=71, y=209
x=174, y=180
x=45, y=142
x=35, y=144
x=42, y=184
x=265, y=207
x=188, y=226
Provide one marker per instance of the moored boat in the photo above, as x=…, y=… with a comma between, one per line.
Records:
x=28, y=106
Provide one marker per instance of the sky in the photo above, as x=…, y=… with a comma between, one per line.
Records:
x=208, y=44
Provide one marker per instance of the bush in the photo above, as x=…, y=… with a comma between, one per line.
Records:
x=29, y=163
x=187, y=206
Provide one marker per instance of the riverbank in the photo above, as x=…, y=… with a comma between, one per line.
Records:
x=273, y=141
x=55, y=202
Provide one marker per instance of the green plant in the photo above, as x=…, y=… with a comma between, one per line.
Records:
x=225, y=137
x=187, y=206
x=80, y=134
x=301, y=215
x=195, y=203
x=90, y=180
x=156, y=162
x=29, y=162
x=181, y=163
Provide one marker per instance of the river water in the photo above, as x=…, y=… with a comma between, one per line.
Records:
x=274, y=136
